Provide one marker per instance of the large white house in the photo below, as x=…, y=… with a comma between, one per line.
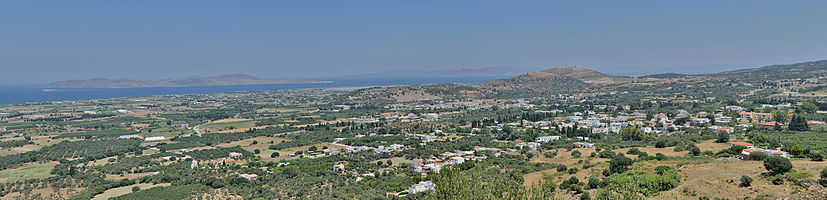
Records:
x=421, y=187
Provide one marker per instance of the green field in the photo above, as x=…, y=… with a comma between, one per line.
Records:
x=120, y=191
x=230, y=125
x=27, y=173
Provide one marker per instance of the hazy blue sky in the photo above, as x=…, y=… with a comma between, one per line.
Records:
x=42, y=41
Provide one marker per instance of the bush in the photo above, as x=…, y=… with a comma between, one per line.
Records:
x=576, y=154
x=585, y=196
x=777, y=181
x=660, y=144
x=816, y=156
x=796, y=150
x=660, y=170
x=606, y=153
x=824, y=173
x=136, y=188
x=274, y=154
x=619, y=164
x=550, y=154
x=746, y=181
x=572, y=170
x=633, y=151
x=660, y=156
x=777, y=165
x=694, y=150
x=723, y=137
x=640, y=182
x=594, y=182
x=561, y=168
x=757, y=155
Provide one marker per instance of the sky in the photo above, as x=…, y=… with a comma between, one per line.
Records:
x=43, y=41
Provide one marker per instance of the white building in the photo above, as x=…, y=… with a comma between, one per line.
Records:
x=421, y=187
x=156, y=138
x=457, y=160
x=128, y=136
x=547, y=138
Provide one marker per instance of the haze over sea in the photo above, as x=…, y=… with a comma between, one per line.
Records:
x=28, y=93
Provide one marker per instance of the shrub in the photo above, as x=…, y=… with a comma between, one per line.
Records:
x=679, y=148
x=605, y=195
x=777, y=181
x=594, y=182
x=824, y=173
x=576, y=154
x=585, y=196
x=694, y=150
x=640, y=182
x=606, y=153
x=757, y=155
x=561, y=168
x=816, y=156
x=746, y=181
x=633, y=151
x=723, y=137
x=660, y=170
x=572, y=170
x=136, y=188
x=619, y=164
x=777, y=165
x=660, y=144
x=660, y=156
x=796, y=150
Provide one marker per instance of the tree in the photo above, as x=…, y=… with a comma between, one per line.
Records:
x=660, y=144
x=777, y=165
x=619, y=164
x=274, y=154
x=780, y=116
x=313, y=148
x=796, y=150
x=631, y=133
x=807, y=108
x=746, y=181
x=757, y=155
x=256, y=151
x=798, y=123
x=694, y=150
x=723, y=137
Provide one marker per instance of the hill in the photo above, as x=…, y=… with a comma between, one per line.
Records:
x=229, y=79
x=664, y=76
x=586, y=75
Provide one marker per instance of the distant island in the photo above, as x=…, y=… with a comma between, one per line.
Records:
x=229, y=79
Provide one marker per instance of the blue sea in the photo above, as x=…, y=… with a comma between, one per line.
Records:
x=28, y=93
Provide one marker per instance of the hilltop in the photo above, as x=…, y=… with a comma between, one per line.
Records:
x=569, y=79
x=229, y=79
x=586, y=75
